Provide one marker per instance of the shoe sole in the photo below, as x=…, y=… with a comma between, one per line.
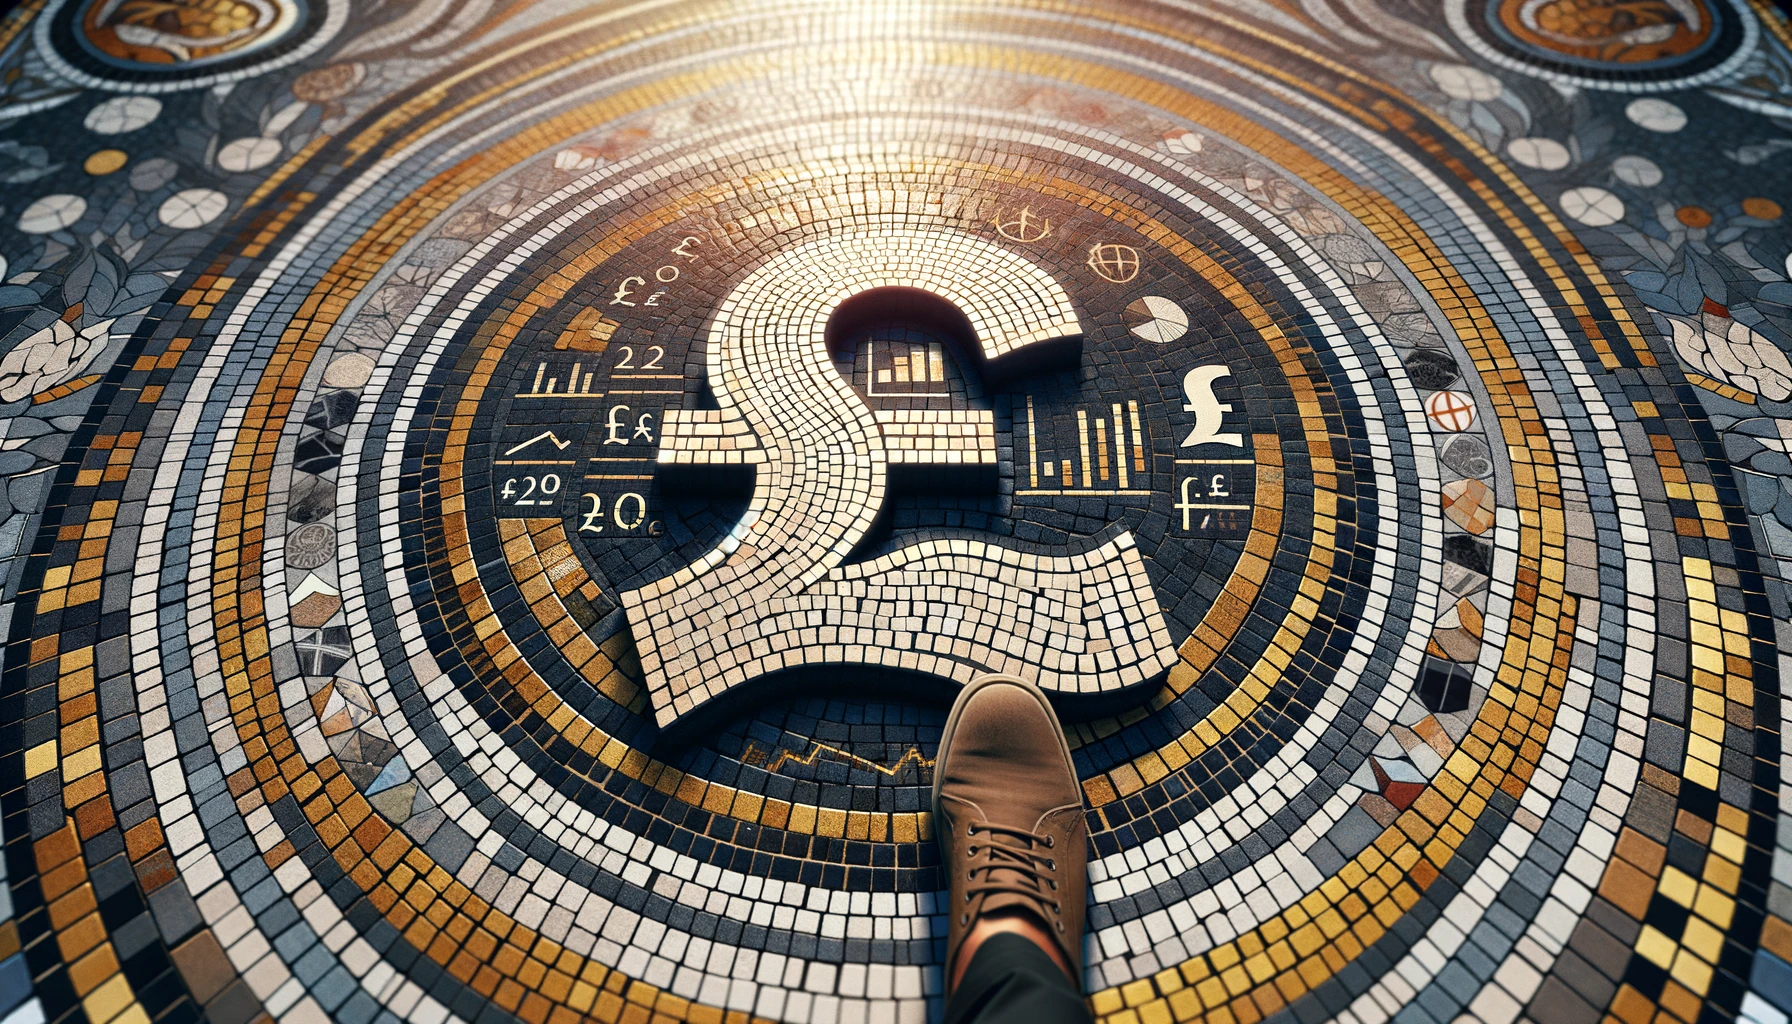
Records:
x=958, y=706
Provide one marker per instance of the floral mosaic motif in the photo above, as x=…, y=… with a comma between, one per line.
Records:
x=1732, y=352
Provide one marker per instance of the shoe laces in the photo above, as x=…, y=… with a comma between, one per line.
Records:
x=1017, y=854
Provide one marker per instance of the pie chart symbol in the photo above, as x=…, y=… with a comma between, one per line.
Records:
x=1155, y=318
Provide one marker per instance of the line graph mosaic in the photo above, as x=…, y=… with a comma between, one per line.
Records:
x=499, y=497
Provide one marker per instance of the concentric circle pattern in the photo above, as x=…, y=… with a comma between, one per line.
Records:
x=1645, y=46
x=504, y=495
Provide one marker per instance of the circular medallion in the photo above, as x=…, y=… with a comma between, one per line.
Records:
x=159, y=46
x=1624, y=45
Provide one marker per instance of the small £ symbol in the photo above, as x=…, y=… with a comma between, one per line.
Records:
x=546, y=435
x=625, y=289
x=1225, y=516
x=590, y=524
x=1155, y=318
x=1189, y=505
x=1114, y=262
x=1023, y=228
x=684, y=247
x=614, y=426
x=644, y=427
x=1451, y=410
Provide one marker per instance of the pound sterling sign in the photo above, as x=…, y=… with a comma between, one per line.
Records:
x=776, y=592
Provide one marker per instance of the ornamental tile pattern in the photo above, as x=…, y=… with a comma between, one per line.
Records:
x=498, y=495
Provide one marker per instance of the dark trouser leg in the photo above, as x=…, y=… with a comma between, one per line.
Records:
x=1012, y=981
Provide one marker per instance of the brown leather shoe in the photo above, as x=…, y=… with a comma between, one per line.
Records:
x=1009, y=815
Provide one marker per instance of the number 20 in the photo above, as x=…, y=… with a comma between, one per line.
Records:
x=548, y=485
x=618, y=513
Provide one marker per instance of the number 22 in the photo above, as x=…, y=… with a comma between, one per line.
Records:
x=628, y=356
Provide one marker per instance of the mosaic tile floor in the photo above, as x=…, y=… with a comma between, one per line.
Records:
x=499, y=495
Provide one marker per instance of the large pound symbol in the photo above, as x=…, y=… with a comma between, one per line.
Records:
x=778, y=591
x=1197, y=386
